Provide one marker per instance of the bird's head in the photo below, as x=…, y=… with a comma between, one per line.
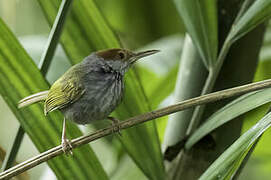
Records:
x=121, y=59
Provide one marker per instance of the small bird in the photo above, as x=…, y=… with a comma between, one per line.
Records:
x=89, y=90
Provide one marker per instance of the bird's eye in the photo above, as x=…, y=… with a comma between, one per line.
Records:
x=121, y=55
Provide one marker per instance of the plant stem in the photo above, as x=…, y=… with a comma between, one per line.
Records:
x=208, y=87
x=216, y=96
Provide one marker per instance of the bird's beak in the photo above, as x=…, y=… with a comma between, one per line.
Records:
x=142, y=54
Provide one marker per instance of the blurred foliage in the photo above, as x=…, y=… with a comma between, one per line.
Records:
x=140, y=22
x=140, y=25
x=262, y=149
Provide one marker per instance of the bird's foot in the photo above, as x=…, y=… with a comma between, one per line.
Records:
x=66, y=146
x=115, y=124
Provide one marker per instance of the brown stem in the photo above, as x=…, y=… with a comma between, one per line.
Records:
x=212, y=97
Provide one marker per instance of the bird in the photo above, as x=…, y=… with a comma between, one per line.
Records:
x=90, y=90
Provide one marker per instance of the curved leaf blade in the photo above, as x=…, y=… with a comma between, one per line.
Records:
x=232, y=110
x=228, y=163
x=257, y=13
x=200, y=19
x=20, y=77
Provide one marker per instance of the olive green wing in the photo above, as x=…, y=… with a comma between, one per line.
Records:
x=62, y=93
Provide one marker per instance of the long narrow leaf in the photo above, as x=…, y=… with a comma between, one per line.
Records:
x=258, y=12
x=232, y=110
x=200, y=19
x=20, y=77
x=228, y=163
x=87, y=31
x=263, y=72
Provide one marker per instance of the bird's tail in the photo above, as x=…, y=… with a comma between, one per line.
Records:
x=32, y=99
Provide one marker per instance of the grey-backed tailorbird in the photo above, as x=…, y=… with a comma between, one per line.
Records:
x=89, y=90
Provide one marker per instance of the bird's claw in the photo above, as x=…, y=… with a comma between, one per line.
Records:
x=66, y=146
x=115, y=125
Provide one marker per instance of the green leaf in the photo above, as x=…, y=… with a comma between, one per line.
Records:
x=163, y=75
x=20, y=77
x=140, y=141
x=167, y=83
x=262, y=73
x=153, y=84
x=85, y=31
x=228, y=163
x=257, y=13
x=128, y=170
x=232, y=110
x=200, y=19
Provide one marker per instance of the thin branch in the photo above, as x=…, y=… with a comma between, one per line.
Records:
x=56, y=151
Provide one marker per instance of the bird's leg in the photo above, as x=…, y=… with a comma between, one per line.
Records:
x=65, y=143
x=115, y=124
